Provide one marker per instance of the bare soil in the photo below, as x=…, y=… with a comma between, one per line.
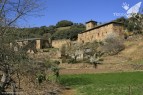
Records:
x=69, y=92
x=103, y=68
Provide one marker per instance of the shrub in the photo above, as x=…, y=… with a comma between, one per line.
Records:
x=96, y=58
x=56, y=62
x=71, y=61
x=40, y=78
x=112, y=45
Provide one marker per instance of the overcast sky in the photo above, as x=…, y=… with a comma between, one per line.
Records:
x=78, y=11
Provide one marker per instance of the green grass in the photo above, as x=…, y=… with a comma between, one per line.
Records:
x=105, y=84
x=63, y=28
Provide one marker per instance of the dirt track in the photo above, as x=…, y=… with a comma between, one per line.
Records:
x=103, y=68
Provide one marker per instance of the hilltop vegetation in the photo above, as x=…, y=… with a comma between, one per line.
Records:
x=133, y=24
x=70, y=33
x=62, y=30
x=64, y=23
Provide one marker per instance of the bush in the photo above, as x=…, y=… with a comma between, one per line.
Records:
x=112, y=45
x=40, y=78
x=56, y=62
x=71, y=61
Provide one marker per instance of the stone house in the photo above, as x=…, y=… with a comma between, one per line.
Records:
x=93, y=32
x=101, y=32
x=33, y=44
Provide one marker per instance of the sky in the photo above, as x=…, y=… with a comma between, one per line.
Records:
x=78, y=11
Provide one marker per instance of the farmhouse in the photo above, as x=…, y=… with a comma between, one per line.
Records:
x=93, y=32
x=101, y=32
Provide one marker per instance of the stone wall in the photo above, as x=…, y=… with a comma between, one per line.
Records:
x=118, y=29
x=60, y=43
x=34, y=43
x=38, y=44
x=100, y=33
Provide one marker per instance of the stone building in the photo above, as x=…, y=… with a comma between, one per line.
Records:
x=101, y=32
x=60, y=43
x=31, y=44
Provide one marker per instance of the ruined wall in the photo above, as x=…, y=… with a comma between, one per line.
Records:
x=38, y=44
x=60, y=43
x=22, y=43
x=100, y=34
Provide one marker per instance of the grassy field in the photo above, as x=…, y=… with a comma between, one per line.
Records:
x=125, y=83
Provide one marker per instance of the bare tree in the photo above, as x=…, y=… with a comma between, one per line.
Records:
x=12, y=11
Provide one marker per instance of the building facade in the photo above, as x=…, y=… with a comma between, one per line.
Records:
x=60, y=43
x=101, y=32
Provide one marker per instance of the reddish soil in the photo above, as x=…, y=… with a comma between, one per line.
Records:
x=68, y=92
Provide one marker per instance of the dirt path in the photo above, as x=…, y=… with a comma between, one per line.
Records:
x=104, y=68
x=87, y=71
x=69, y=92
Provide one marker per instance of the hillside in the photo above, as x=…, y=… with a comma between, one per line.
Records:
x=132, y=52
x=130, y=59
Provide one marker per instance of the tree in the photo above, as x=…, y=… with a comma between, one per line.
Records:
x=64, y=23
x=10, y=12
x=113, y=44
x=51, y=29
x=71, y=33
x=135, y=23
x=96, y=58
x=121, y=20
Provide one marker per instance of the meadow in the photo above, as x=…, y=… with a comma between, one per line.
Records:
x=123, y=83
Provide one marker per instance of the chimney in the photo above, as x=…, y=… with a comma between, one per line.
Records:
x=91, y=24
